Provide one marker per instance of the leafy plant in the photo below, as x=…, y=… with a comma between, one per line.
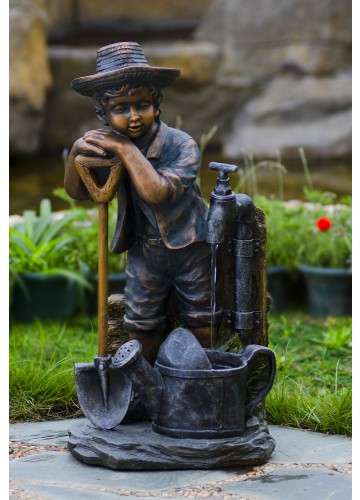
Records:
x=38, y=244
x=338, y=339
x=307, y=233
x=326, y=244
x=283, y=223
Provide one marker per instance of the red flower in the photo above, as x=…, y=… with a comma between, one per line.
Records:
x=323, y=224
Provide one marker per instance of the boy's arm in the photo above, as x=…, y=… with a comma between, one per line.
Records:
x=150, y=186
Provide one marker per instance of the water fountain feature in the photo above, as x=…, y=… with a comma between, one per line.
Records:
x=193, y=395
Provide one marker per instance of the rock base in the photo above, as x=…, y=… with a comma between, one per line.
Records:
x=137, y=447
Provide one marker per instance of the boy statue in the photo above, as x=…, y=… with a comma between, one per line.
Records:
x=161, y=214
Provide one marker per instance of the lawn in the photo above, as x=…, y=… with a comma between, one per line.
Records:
x=312, y=388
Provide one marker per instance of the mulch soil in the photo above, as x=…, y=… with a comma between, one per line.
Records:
x=17, y=449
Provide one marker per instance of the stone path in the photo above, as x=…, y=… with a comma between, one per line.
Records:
x=304, y=466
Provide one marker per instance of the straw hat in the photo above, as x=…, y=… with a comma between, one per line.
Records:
x=120, y=63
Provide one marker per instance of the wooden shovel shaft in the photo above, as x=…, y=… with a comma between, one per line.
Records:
x=86, y=167
x=103, y=279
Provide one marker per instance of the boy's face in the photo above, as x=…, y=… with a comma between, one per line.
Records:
x=132, y=116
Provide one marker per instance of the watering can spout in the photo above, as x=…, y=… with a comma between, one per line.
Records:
x=146, y=380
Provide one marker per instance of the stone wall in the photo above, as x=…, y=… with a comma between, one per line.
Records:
x=295, y=55
x=63, y=12
x=272, y=74
x=30, y=76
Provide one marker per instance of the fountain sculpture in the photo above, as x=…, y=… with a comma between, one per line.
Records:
x=169, y=398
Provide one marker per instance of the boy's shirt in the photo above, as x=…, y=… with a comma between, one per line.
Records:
x=181, y=218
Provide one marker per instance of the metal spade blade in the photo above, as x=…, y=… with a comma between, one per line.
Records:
x=90, y=395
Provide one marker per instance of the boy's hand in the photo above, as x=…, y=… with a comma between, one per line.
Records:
x=82, y=147
x=106, y=141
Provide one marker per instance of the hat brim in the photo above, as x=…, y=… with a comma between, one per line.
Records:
x=90, y=85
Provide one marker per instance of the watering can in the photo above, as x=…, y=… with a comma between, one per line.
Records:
x=193, y=392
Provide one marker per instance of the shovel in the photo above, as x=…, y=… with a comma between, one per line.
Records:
x=103, y=392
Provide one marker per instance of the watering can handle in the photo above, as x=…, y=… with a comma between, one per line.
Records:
x=250, y=352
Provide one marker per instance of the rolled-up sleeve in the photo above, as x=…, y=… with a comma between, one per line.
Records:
x=182, y=169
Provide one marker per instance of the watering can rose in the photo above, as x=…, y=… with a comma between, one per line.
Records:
x=323, y=224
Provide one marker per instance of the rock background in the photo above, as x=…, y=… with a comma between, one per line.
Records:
x=30, y=75
x=272, y=74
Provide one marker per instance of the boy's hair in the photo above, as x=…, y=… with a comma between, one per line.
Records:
x=101, y=98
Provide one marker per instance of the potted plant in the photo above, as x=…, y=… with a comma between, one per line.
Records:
x=282, y=223
x=45, y=272
x=325, y=259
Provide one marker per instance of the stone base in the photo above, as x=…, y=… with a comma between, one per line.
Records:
x=137, y=447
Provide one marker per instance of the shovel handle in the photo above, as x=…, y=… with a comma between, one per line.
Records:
x=103, y=279
x=86, y=167
x=102, y=194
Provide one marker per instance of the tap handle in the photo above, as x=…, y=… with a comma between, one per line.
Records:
x=223, y=168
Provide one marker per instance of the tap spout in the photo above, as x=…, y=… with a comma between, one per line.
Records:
x=222, y=204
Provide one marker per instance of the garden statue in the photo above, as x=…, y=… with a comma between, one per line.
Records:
x=162, y=216
x=177, y=380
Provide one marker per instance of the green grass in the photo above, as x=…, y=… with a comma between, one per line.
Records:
x=294, y=406
x=312, y=388
x=42, y=357
x=312, y=352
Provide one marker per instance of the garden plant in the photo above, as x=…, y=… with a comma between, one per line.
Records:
x=47, y=275
x=39, y=243
x=325, y=235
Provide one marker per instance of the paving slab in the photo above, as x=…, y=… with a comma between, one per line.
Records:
x=62, y=467
x=294, y=484
x=304, y=465
x=299, y=446
x=51, y=432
